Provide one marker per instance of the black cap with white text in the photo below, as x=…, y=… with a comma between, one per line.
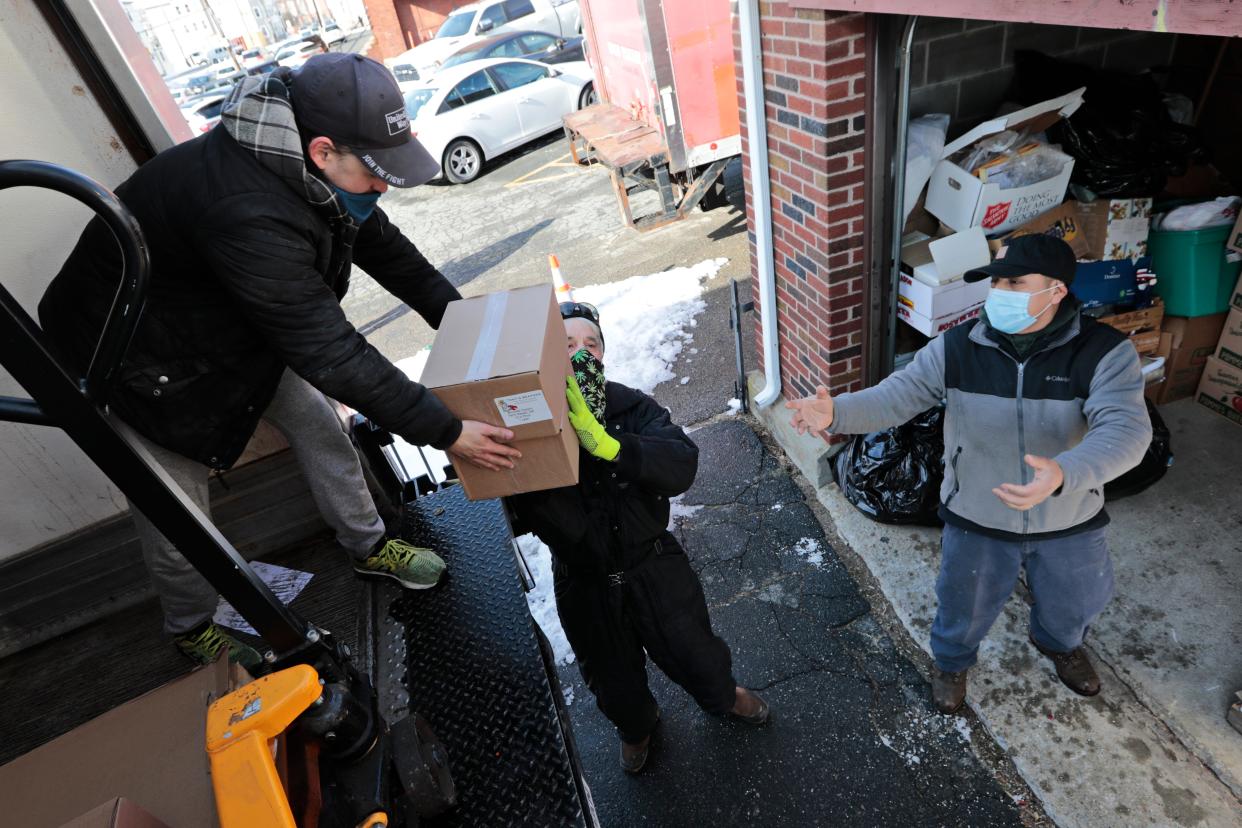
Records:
x=1024, y=255
x=356, y=102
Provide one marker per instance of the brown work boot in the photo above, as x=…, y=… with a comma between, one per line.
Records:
x=634, y=757
x=1074, y=669
x=948, y=689
x=750, y=707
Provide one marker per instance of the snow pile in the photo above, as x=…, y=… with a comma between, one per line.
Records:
x=810, y=551
x=917, y=729
x=542, y=599
x=646, y=321
x=735, y=406
x=679, y=511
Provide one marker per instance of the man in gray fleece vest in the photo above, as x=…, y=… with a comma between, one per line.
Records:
x=1043, y=407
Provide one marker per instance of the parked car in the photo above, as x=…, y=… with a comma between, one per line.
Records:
x=539, y=46
x=468, y=23
x=302, y=51
x=475, y=111
x=332, y=33
x=203, y=112
x=252, y=57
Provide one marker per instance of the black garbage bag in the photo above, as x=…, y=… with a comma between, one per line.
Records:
x=1155, y=463
x=1122, y=138
x=894, y=475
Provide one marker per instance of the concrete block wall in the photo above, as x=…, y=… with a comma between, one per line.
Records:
x=964, y=67
x=814, y=85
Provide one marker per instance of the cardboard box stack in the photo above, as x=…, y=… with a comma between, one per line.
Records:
x=501, y=359
x=932, y=296
x=1220, y=388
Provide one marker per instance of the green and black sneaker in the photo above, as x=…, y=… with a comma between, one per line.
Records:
x=203, y=645
x=411, y=566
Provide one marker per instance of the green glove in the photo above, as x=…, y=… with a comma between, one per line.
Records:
x=591, y=433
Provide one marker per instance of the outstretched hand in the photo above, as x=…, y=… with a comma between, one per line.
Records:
x=812, y=414
x=1048, y=478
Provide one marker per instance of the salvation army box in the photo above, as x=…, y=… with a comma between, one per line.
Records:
x=501, y=359
x=961, y=198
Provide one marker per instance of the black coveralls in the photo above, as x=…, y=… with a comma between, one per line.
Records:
x=623, y=583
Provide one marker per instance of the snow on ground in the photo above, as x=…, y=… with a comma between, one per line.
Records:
x=914, y=730
x=647, y=320
x=542, y=599
x=810, y=551
x=679, y=511
x=735, y=406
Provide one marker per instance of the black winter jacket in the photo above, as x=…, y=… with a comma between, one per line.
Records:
x=246, y=280
x=612, y=518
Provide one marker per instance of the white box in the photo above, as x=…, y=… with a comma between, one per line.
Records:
x=943, y=300
x=937, y=326
x=960, y=200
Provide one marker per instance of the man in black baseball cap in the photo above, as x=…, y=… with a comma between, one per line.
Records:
x=1043, y=406
x=355, y=102
x=253, y=229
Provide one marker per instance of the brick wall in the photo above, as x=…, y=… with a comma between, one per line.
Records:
x=964, y=67
x=813, y=78
x=386, y=26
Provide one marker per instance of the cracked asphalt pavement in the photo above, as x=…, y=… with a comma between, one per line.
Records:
x=853, y=740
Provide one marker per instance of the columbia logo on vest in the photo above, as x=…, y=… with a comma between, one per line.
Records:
x=1056, y=378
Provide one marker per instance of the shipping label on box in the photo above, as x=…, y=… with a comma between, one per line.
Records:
x=935, y=327
x=1116, y=228
x=1229, y=348
x=502, y=359
x=1220, y=390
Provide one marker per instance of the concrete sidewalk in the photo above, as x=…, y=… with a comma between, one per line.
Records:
x=1153, y=748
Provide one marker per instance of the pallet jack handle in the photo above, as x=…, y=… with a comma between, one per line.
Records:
x=344, y=716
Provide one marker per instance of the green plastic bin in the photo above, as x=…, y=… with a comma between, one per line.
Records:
x=1192, y=276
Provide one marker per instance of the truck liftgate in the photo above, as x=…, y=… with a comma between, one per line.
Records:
x=668, y=120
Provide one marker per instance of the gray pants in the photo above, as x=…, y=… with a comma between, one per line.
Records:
x=1071, y=580
x=330, y=465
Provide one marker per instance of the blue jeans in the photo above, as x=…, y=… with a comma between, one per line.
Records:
x=1071, y=579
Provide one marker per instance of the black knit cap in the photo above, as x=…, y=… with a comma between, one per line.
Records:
x=1024, y=255
x=356, y=102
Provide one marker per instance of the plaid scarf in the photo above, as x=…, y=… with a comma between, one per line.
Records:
x=259, y=116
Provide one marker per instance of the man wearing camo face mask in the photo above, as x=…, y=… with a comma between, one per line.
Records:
x=623, y=584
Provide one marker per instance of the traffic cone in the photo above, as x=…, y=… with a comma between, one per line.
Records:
x=564, y=293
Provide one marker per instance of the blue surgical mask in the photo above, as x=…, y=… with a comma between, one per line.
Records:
x=1007, y=310
x=358, y=205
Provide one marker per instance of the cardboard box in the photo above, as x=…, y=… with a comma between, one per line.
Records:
x=1229, y=346
x=1060, y=222
x=961, y=200
x=1116, y=228
x=1236, y=300
x=1155, y=384
x=1220, y=389
x=119, y=813
x=1146, y=319
x=1098, y=284
x=501, y=359
x=933, y=327
x=944, y=300
x=1194, y=339
x=1235, y=236
x=152, y=750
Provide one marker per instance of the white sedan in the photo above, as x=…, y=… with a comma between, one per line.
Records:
x=475, y=111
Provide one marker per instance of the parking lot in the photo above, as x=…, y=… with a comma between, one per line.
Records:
x=496, y=233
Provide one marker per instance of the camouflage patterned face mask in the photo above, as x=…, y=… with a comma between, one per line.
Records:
x=589, y=372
